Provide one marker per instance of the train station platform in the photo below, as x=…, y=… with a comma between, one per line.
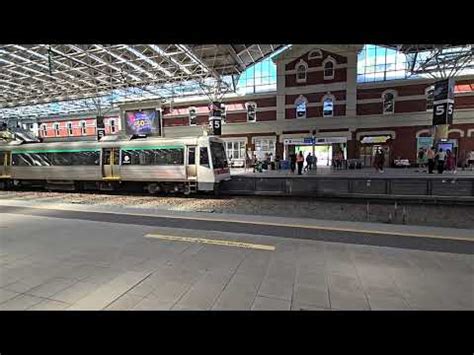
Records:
x=408, y=184
x=456, y=240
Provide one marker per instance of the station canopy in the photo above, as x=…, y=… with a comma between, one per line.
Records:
x=35, y=79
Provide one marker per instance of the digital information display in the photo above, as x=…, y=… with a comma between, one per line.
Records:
x=144, y=122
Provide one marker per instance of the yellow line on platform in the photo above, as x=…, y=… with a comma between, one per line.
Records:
x=227, y=243
x=276, y=224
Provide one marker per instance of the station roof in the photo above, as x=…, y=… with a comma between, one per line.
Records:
x=43, y=73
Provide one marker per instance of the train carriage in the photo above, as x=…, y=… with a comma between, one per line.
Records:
x=157, y=164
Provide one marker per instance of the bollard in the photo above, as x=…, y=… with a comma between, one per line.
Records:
x=404, y=216
x=390, y=217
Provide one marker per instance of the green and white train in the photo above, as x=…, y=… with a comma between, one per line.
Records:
x=184, y=165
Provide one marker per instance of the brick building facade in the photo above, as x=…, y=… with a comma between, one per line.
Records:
x=317, y=91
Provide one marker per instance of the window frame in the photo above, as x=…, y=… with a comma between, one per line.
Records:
x=189, y=116
x=44, y=129
x=427, y=90
x=394, y=94
x=298, y=65
x=331, y=60
x=69, y=127
x=318, y=55
x=56, y=129
x=114, y=125
x=301, y=99
x=247, y=105
x=83, y=125
x=333, y=100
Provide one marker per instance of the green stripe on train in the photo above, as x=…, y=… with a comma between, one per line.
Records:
x=93, y=150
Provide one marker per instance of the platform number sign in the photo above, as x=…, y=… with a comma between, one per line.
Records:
x=215, y=118
x=215, y=125
x=443, y=102
x=100, y=127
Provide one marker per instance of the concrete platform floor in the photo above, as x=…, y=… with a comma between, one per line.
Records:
x=66, y=264
x=324, y=171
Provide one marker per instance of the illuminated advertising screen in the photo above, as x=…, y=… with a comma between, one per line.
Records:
x=144, y=122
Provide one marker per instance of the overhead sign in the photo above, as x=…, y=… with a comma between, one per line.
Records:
x=215, y=126
x=311, y=140
x=375, y=139
x=144, y=122
x=443, y=102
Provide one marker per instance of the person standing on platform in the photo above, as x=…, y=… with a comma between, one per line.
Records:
x=309, y=162
x=441, y=157
x=315, y=162
x=430, y=154
x=381, y=160
x=450, y=162
x=300, y=162
x=293, y=162
x=470, y=160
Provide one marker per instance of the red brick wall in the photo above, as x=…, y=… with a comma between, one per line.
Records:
x=315, y=97
x=316, y=62
x=313, y=78
x=406, y=90
x=339, y=110
x=463, y=102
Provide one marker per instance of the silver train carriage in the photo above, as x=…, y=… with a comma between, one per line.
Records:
x=157, y=164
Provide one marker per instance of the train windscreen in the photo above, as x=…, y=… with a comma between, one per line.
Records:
x=219, y=158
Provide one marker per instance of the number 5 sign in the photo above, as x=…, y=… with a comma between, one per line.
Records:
x=215, y=126
x=443, y=102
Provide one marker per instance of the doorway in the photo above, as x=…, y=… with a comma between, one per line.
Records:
x=111, y=163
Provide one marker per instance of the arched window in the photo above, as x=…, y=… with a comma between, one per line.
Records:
x=56, y=129
x=44, y=130
x=388, y=98
x=328, y=105
x=192, y=116
x=251, y=111
x=69, y=129
x=223, y=113
x=329, y=65
x=300, y=104
x=83, y=128
x=429, y=93
x=112, y=126
x=315, y=54
x=301, y=69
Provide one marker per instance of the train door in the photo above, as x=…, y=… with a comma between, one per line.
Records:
x=191, y=169
x=5, y=164
x=111, y=163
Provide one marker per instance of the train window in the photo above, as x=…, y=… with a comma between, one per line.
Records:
x=85, y=158
x=62, y=159
x=22, y=159
x=219, y=158
x=191, y=155
x=153, y=157
x=203, y=157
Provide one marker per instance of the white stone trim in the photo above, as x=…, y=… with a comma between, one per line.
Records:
x=422, y=131
x=315, y=54
x=397, y=99
x=254, y=138
x=470, y=132
x=456, y=130
x=317, y=104
x=315, y=69
x=315, y=89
